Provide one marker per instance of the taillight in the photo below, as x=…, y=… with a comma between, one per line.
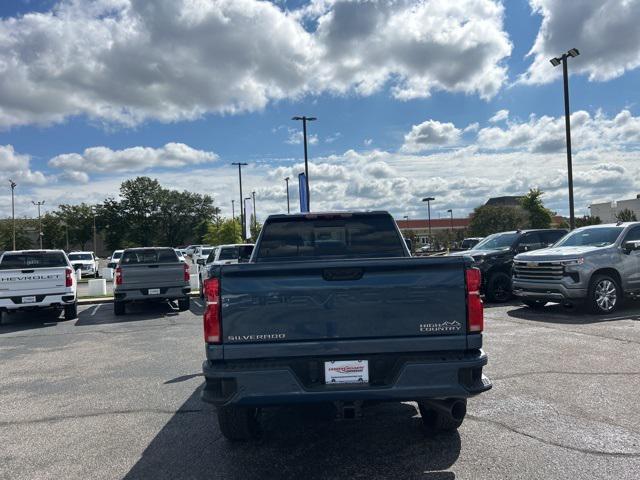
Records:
x=212, y=332
x=68, y=278
x=187, y=275
x=475, y=314
x=118, y=276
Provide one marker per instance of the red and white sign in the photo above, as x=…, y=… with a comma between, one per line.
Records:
x=346, y=371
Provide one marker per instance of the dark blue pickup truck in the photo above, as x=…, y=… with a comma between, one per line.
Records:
x=333, y=308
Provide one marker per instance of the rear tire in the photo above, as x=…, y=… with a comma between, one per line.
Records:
x=604, y=295
x=499, y=287
x=239, y=423
x=535, y=304
x=184, y=304
x=71, y=311
x=435, y=421
x=118, y=308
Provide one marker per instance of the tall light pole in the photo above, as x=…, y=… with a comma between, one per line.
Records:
x=255, y=216
x=306, y=164
x=245, y=214
x=240, y=165
x=429, y=200
x=233, y=209
x=406, y=217
x=287, y=182
x=13, y=211
x=39, y=204
x=450, y=211
x=95, y=240
x=567, y=125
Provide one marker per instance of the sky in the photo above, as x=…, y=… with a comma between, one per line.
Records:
x=453, y=100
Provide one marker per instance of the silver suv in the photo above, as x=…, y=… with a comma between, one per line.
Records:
x=597, y=265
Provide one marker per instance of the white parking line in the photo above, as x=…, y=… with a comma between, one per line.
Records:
x=197, y=303
x=96, y=309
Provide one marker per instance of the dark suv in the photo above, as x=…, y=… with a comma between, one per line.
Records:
x=494, y=257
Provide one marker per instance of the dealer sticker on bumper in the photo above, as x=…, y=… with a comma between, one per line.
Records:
x=154, y=291
x=29, y=299
x=347, y=371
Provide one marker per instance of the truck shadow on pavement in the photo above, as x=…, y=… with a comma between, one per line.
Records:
x=135, y=312
x=388, y=442
x=555, y=313
x=22, y=321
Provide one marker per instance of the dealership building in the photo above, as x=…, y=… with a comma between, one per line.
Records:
x=607, y=211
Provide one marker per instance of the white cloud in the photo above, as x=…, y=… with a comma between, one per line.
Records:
x=499, y=116
x=333, y=138
x=135, y=159
x=126, y=61
x=605, y=31
x=368, y=142
x=296, y=137
x=16, y=166
x=430, y=134
x=547, y=134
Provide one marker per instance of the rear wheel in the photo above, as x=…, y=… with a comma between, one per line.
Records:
x=436, y=420
x=71, y=311
x=183, y=304
x=499, y=287
x=535, y=304
x=605, y=295
x=118, y=308
x=239, y=423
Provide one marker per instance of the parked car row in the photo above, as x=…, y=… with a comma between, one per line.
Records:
x=222, y=255
x=595, y=266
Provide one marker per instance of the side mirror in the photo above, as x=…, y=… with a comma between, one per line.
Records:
x=201, y=261
x=407, y=242
x=631, y=246
x=522, y=248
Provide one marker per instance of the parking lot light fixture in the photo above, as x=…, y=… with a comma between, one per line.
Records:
x=429, y=200
x=13, y=212
x=288, y=206
x=567, y=122
x=240, y=165
x=39, y=204
x=306, y=163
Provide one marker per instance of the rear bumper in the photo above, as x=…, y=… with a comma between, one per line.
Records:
x=550, y=291
x=139, y=294
x=262, y=383
x=14, y=303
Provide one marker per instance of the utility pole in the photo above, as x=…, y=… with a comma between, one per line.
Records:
x=240, y=165
x=39, y=204
x=306, y=164
x=287, y=182
x=233, y=209
x=450, y=211
x=567, y=125
x=13, y=212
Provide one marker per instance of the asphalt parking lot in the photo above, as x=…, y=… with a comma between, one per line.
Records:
x=118, y=397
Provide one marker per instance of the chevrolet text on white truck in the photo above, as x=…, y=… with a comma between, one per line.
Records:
x=36, y=280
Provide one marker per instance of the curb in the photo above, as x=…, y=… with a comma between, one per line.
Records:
x=99, y=300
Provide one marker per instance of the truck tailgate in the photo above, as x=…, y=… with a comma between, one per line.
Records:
x=28, y=281
x=152, y=275
x=345, y=299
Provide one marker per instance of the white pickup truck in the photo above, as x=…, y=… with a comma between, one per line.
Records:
x=37, y=279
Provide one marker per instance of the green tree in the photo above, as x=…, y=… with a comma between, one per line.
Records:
x=23, y=241
x=587, y=220
x=53, y=230
x=538, y=215
x=223, y=232
x=141, y=198
x=79, y=219
x=626, y=215
x=488, y=219
x=256, y=228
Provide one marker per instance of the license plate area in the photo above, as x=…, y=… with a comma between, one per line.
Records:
x=30, y=299
x=154, y=291
x=346, y=372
